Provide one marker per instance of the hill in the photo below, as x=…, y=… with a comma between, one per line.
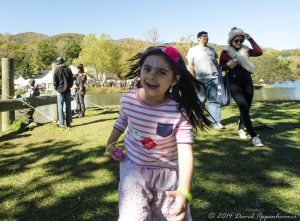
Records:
x=28, y=37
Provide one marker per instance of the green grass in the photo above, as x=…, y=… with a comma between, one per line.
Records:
x=57, y=174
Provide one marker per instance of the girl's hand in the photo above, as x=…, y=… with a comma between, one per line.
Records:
x=179, y=212
x=112, y=149
x=232, y=63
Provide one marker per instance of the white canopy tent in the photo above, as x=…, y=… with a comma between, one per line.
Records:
x=47, y=80
x=20, y=82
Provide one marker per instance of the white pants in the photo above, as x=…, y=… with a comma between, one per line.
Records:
x=142, y=193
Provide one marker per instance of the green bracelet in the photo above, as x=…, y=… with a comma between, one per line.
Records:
x=109, y=145
x=186, y=193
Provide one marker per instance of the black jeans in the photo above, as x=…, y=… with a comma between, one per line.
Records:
x=241, y=87
x=80, y=106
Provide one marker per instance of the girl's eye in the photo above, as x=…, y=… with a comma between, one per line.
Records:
x=146, y=69
x=162, y=73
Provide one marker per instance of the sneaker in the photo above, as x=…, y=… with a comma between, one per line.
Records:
x=242, y=134
x=218, y=126
x=61, y=126
x=257, y=142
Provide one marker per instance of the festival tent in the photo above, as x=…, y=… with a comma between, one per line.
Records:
x=47, y=79
x=20, y=82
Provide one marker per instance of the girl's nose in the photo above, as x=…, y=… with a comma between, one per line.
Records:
x=152, y=73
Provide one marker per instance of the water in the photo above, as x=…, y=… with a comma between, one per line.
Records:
x=289, y=90
x=91, y=100
x=287, y=84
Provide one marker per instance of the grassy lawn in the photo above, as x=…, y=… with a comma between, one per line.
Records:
x=57, y=174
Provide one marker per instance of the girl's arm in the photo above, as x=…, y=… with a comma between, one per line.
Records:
x=186, y=165
x=114, y=136
x=119, y=127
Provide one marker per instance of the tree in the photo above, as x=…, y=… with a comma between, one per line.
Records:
x=152, y=36
x=67, y=45
x=72, y=51
x=23, y=65
x=103, y=54
x=187, y=40
x=271, y=69
x=44, y=55
x=7, y=48
x=130, y=47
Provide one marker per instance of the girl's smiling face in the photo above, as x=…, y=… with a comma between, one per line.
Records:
x=156, y=77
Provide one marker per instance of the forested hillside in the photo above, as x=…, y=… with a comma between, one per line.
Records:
x=34, y=52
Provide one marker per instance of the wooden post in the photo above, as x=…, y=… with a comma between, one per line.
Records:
x=7, y=90
x=55, y=109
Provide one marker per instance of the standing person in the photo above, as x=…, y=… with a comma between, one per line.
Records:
x=156, y=170
x=80, y=90
x=235, y=60
x=62, y=82
x=32, y=91
x=203, y=64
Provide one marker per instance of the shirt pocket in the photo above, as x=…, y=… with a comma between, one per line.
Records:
x=164, y=130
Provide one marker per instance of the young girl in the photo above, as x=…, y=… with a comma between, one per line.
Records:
x=156, y=171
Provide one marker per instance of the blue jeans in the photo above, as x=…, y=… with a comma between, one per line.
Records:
x=210, y=94
x=61, y=99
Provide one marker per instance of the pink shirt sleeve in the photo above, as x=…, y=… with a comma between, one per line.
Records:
x=184, y=132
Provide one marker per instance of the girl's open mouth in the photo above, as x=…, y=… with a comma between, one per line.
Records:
x=153, y=86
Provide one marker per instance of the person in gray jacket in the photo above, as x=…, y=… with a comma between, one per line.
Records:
x=62, y=82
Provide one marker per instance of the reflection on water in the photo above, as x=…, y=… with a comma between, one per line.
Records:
x=277, y=94
x=288, y=90
x=102, y=99
x=280, y=91
x=288, y=84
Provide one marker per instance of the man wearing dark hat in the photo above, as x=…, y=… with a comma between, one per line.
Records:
x=62, y=82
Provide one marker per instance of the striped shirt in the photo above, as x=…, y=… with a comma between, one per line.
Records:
x=153, y=131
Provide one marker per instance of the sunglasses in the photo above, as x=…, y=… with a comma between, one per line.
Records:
x=238, y=40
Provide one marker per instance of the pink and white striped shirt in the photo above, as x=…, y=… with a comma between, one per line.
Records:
x=162, y=124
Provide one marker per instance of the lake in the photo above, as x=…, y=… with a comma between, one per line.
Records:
x=289, y=90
